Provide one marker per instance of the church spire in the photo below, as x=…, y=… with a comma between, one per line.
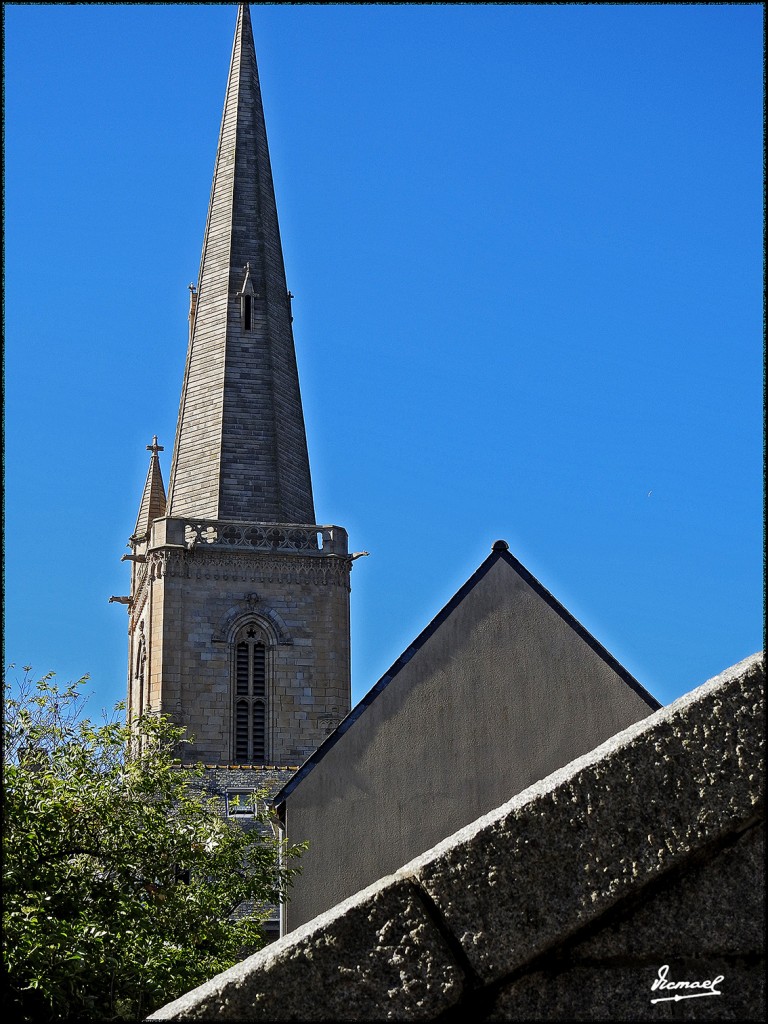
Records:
x=152, y=505
x=241, y=450
x=238, y=612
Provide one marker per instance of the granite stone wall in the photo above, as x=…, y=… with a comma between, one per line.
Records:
x=189, y=605
x=638, y=863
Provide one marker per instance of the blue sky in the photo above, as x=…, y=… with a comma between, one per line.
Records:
x=526, y=248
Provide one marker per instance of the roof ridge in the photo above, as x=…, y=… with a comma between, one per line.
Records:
x=499, y=551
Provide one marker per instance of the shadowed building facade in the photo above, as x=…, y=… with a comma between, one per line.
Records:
x=502, y=688
x=239, y=602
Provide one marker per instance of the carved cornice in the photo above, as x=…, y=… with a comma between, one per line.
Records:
x=249, y=566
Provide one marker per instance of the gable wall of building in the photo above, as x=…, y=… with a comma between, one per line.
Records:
x=501, y=694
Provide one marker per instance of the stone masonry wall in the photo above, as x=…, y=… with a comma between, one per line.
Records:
x=196, y=600
x=702, y=920
x=639, y=861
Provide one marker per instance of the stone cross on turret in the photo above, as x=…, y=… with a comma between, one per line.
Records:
x=152, y=504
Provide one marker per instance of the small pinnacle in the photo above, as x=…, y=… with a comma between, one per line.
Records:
x=500, y=545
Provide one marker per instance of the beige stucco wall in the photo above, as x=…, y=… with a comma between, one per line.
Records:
x=502, y=693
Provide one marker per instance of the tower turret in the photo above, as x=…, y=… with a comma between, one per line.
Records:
x=152, y=505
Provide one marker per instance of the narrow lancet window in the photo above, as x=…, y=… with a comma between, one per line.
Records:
x=246, y=295
x=251, y=697
x=141, y=662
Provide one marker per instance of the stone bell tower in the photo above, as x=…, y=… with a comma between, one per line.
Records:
x=239, y=602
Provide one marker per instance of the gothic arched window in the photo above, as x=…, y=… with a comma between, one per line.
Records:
x=141, y=662
x=251, y=694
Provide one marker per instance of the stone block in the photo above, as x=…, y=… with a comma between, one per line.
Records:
x=624, y=993
x=580, y=993
x=376, y=956
x=673, y=917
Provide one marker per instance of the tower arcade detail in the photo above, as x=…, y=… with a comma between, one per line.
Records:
x=239, y=602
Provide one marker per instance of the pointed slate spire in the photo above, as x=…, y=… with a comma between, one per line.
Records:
x=241, y=450
x=153, y=499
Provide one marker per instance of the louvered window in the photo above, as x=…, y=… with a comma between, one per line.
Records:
x=250, y=671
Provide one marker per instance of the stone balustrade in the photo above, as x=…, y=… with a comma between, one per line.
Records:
x=288, y=538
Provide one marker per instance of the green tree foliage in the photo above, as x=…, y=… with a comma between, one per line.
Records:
x=120, y=876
